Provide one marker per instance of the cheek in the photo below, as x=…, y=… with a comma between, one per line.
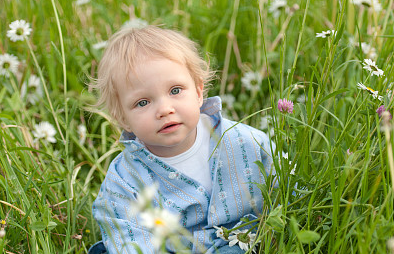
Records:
x=140, y=124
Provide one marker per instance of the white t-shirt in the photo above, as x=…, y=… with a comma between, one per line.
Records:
x=194, y=162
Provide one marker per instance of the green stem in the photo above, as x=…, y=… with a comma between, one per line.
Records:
x=45, y=89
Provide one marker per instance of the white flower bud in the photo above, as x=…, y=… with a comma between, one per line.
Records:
x=2, y=232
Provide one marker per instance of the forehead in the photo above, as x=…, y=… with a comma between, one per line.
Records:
x=151, y=68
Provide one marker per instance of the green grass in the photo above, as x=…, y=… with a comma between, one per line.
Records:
x=46, y=190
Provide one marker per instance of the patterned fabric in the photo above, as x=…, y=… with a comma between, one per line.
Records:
x=234, y=194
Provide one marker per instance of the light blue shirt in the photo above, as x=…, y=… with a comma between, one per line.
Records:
x=234, y=192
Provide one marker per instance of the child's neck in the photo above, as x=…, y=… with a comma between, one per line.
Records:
x=171, y=151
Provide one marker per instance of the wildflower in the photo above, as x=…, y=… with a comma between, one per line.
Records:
x=77, y=237
x=135, y=23
x=348, y=152
x=276, y=7
x=82, y=133
x=302, y=98
x=33, y=88
x=285, y=106
x=81, y=2
x=361, y=86
x=2, y=222
x=292, y=171
x=374, y=93
x=46, y=131
x=368, y=50
x=2, y=232
x=382, y=109
x=253, y=203
x=144, y=199
x=372, y=67
x=374, y=4
x=251, y=81
x=8, y=64
x=242, y=238
x=222, y=233
x=19, y=30
x=100, y=45
x=265, y=121
x=87, y=231
x=390, y=244
x=162, y=223
x=327, y=33
x=228, y=100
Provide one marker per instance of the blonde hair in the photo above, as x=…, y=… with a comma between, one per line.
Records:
x=129, y=46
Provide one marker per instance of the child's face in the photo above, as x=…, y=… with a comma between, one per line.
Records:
x=161, y=106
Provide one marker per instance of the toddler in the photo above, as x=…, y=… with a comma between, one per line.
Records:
x=153, y=81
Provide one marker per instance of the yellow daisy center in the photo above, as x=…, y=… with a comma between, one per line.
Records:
x=159, y=222
x=19, y=31
x=371, y=90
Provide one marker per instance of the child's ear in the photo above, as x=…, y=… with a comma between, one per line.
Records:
x=126, y=127
x=200, y=92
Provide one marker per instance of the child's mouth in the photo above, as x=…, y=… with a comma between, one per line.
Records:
x=170, y=127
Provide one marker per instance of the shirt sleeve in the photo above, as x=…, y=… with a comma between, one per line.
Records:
x=120, y=230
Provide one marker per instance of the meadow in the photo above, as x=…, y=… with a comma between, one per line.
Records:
x=334, y=158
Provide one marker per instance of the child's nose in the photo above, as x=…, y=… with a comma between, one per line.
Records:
x=164, y=109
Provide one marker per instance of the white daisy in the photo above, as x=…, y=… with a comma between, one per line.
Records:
x=371, y=66
x=361, y=86
x=240, y=237
x=31, y=89
x=135, y=23
x=374, y=4
x=82, y=133
x=46, y=131
x=292, y=171
x=265, y=121
x=368, y=50
x=161, y=222
x=301, y=99
x=228, y=100
x=100, y=45
x=328, y=33
x=252, y=80
x=375, y=94
x=253, y=203
x=220, y=233
x=276, y=7
x=144, y=199
x=8, y=64
x=81, y=2
x=19, y=30
x=390, y=244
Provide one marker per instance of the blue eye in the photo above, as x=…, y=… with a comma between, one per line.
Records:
x=142, y=103
x=175, y=91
